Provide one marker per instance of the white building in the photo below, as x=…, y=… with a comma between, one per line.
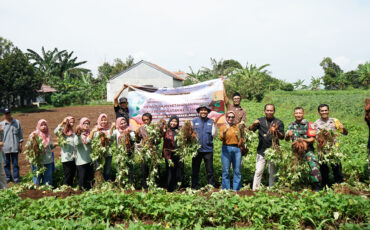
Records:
x=143, y=73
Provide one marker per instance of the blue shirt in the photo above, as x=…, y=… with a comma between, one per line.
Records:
x=203, y=128
x=12, y=135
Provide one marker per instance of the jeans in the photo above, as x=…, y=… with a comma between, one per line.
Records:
x=11, y=158
x=46, y=178
x=231, y=155
x=107, y=168
x=208, y=162
x=260, y=167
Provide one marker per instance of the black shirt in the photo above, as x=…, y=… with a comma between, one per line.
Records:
x=121, y=112
x=264, y=139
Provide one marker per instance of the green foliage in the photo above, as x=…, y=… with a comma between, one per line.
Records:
x=34, y=152
x=100, y=208
x=5, y=46
x=18, y=77
x=107, y=71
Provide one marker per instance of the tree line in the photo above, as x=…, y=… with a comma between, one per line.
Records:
x=22, y=73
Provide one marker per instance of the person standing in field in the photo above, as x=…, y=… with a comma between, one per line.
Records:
x=103, y=127
x=121, y=105
x=141, y=134
x=230, y=152
x=68, y=154
x=2, y=172
x=12, y=145
x=123, y=135
x=301, y=131
x=330, y=124
x=175, y=172
x=206, y=130
x=367, y=119
x=240, y=114
x=270, y=129
x=85, y=167
x=42, y=130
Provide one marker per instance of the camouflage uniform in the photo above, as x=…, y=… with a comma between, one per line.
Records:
x=300, y=131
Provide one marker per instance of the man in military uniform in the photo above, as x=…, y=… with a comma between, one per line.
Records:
x=301, y=128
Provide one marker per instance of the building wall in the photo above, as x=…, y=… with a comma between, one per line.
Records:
x=142, y=74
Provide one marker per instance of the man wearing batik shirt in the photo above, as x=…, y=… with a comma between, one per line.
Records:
x=302, y=129
x=334, y=125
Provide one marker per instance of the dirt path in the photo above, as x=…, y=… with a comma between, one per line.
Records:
x=54, y=117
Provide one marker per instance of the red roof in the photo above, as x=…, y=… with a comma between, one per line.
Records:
x=46, y=89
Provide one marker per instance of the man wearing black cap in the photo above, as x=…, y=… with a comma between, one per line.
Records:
x=240, y=114
x=206, y=130
x=12, y=139
x=121, y=108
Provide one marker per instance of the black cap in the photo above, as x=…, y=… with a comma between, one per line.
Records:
x=204, y=105
x=6, y=110
x=122, y=100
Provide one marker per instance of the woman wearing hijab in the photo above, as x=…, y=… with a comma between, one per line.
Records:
x=42, y=130
x=123, y=134
x=175, y=172
x=84, y=164
x=230, y=152
x=68, y=153
x=103, y=127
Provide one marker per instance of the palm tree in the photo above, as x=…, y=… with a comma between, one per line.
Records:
x=54, y=63
x=341, y=80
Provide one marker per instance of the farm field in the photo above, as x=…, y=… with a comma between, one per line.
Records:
x=290, y=205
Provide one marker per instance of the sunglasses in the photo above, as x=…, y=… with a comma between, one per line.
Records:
x=230, y=117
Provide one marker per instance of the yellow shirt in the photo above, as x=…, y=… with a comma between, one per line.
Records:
x=231, y=135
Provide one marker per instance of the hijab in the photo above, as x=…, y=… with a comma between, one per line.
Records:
x=68, y=130
x=118, y=122
x=172, y=118
x=84, y=133
x=100, y=127
x=44, y=135
x=227, y=114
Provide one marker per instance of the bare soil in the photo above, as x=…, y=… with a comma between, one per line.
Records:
x=38, y=194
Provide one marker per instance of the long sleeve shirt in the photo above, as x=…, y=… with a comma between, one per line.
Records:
x=68, y=150
x=230, y=137
x=47, y=157
x=12, y=135
x=206, y=131
x=83, y=151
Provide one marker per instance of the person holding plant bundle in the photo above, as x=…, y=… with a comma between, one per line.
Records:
x=206, y=130
x=230, y=152
x=329, y=127
x=84, y=163
x=174, y=167
x=65, y=134
x=270, y=130
x=41, y=144
x=141, y=135
x=367, y=119
x=302, y=133
x=103, y=130
x=122, y=135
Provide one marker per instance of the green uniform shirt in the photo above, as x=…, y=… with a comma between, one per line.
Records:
x=83, y=151
x=68, y=150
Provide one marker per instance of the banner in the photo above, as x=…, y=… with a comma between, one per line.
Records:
x=181, y=101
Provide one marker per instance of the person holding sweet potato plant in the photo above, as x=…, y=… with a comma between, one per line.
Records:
x=65, y=134
x=39, y=152
x=302, y=133
x=84, y=163
x=270, y=130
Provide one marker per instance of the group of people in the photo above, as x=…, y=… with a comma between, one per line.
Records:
x=75, y=152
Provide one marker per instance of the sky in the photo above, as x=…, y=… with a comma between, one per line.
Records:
x=292, y=36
